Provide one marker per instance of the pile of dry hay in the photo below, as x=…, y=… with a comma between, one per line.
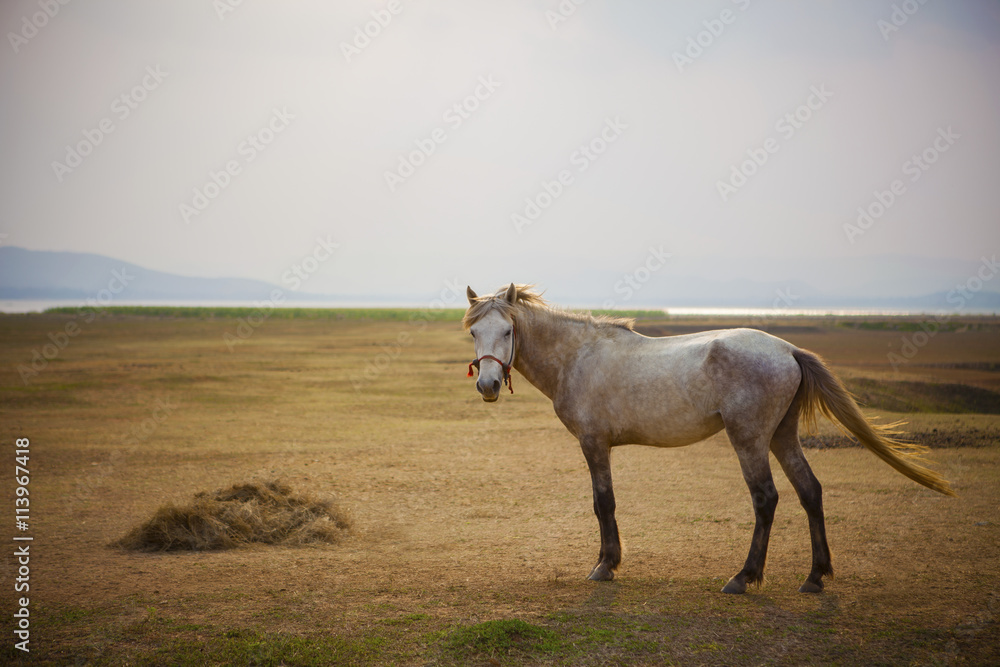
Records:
x=265, y=512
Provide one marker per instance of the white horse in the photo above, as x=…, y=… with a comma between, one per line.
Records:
x=612, y=386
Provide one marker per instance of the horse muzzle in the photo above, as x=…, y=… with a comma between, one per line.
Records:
x=491, y=392
x=490, y=389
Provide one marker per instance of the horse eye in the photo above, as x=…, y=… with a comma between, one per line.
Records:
x=507, y=335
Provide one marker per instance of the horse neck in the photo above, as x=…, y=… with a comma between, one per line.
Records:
x=546, y=345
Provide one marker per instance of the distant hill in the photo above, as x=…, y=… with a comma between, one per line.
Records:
x=684, y=291
x=877, y=282
x=35, y=274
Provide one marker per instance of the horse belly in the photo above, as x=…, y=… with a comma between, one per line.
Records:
x=679, y=430
x=660, y=413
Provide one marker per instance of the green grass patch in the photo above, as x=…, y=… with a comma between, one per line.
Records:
x=59, y=615
x=706, y=647
x=154, y=640
x=637, y=314
x=371, y=314
x=251, y=647
x=409, y=619
x=511, y=638
x=236, y=312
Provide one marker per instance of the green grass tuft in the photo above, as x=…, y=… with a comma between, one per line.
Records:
x=250, y=647
x=508, y=637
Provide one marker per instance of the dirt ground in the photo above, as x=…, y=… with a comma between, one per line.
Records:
x=467, y=516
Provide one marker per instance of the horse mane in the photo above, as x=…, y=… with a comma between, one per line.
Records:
x=527, y=297
x=498, y=301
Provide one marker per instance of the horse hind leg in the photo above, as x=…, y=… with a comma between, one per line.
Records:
x=756, y=468
x=788, y=450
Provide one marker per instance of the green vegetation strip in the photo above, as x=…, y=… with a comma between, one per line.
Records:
x=252, y=647
x=745, y=632
x=235, y=312
x=508, y=638
x=373, y=314
x=637, y=314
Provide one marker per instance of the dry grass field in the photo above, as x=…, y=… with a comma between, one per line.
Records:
x=472, y=528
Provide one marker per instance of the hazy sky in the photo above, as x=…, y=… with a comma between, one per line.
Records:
x=115, y=113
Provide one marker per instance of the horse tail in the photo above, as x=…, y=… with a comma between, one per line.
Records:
x=821, y=391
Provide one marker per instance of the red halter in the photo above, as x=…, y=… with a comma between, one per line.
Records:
x=505, y=366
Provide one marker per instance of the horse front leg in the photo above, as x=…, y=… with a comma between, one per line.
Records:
x=598, y=455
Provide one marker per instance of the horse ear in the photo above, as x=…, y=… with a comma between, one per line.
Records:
x=511, y=295
x=470, y=295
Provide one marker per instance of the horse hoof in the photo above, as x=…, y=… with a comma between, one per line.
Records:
x=811, y=587
x=601, y=573
x=735, y=586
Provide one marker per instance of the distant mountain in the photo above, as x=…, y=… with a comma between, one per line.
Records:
x=878, y=282
x=688, y=291
x=35, y=274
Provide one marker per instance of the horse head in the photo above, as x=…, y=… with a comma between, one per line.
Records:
x=490, y=320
